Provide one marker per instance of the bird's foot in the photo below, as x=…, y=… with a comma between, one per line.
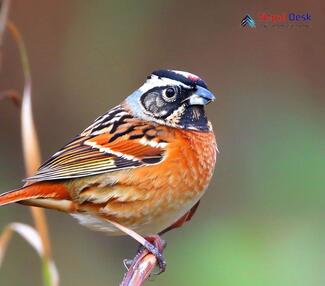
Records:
x=154, y=244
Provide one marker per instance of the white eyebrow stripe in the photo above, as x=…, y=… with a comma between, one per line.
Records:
x=156, y=81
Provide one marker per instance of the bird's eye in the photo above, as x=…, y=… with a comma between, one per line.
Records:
x=169, y=94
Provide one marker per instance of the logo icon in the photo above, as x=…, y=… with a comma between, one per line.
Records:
x=248, y=21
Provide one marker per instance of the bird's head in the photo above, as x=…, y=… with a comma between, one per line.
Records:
x=173, y=98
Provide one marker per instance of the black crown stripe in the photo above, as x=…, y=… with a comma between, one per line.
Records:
x=178, y=77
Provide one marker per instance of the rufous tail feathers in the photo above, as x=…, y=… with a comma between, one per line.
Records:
x=44, y=194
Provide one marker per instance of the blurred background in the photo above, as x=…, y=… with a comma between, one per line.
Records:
x=262, y=220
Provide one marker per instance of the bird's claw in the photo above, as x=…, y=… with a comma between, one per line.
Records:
x=155, y=245
x=127, y=263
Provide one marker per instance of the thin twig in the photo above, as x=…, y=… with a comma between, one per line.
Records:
x=140, y=269
x=32, y=158
x=30, y=143
x=33, y=238
x=26, y=231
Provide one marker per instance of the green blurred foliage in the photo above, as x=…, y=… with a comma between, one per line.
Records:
x=261, y=221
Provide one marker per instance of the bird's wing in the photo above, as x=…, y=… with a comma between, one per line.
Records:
x=115, y=141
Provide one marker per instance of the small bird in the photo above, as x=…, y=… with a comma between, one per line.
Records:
x=144, y=164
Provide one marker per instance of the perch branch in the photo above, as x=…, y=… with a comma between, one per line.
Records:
x=140, y=269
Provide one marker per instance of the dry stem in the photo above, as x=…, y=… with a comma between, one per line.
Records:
x=30, y=143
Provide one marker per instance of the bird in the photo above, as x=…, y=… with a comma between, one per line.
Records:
x=144, y=164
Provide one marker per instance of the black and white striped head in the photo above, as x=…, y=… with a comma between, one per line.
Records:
x=173, y=98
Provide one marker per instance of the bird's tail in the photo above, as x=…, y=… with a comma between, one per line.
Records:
x=43, y=194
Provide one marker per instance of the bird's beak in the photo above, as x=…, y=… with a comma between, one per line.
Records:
x=201, y=96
